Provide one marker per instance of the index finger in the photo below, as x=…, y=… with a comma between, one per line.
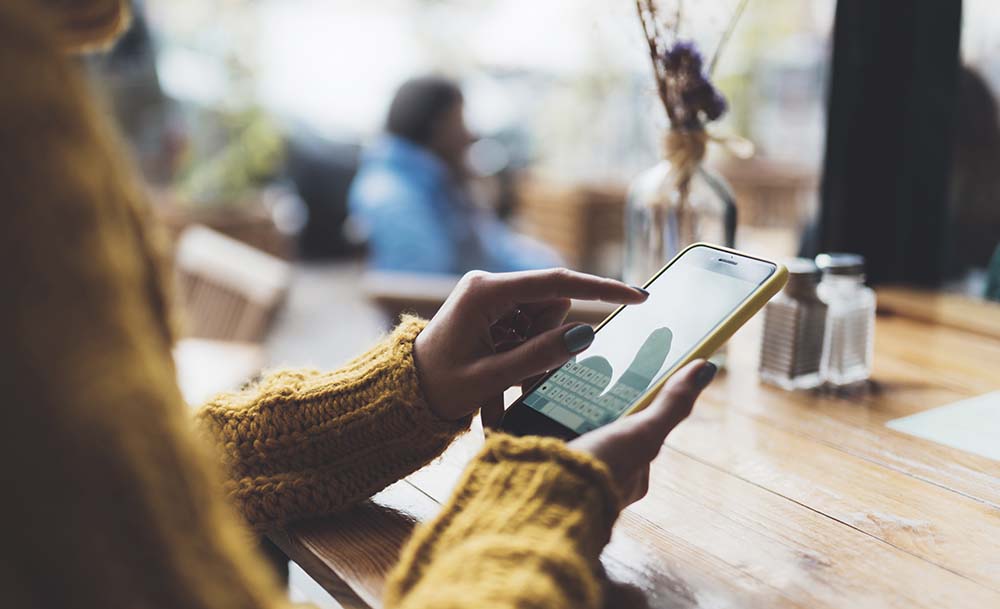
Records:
x=550, y=284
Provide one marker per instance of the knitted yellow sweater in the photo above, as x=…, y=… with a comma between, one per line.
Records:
x=109, y=495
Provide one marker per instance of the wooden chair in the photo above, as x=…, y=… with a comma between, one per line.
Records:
x=228, y=290
x=586, y=224
x=771, y=194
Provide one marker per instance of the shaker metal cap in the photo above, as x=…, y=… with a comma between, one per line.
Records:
x=839, y=263
x=803, y=275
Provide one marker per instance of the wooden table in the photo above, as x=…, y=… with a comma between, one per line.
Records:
x=765, y=498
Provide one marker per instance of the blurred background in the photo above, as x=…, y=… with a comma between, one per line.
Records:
x=261, y=128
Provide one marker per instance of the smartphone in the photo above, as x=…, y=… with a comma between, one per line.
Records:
x=696, y=303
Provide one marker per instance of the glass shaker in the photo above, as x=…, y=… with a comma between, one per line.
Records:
x=794, y=322
x=849, y=344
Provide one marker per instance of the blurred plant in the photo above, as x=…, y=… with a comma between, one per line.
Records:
x=684, y=84
x=251, y=155
x=686, y=91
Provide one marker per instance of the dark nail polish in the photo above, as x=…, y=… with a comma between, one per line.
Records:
x=579, y=338
x=705, y=375
x=640, y=290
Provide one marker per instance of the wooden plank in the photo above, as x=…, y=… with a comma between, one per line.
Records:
x=351, y=553
x=950, y=310
x=648, y=567
x=706, y=537
x=917, y=367
x=952, y=531
x=937, y=355
x=816, y=560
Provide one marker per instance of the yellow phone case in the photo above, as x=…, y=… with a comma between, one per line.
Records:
x=725, y=330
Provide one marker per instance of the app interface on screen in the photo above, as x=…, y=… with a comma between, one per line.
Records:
x=639, y=345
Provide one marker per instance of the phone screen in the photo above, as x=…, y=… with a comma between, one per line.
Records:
x=640, y=344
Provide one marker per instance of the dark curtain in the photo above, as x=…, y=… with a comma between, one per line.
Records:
x=889, y=136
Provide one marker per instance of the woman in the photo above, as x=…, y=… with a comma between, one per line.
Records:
x=109, y=500
x=412, y=198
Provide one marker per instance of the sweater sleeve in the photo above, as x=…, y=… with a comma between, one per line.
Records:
x=524, y=528
x=302, y=443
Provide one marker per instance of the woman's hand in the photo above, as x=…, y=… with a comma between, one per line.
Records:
x=630, y=444
x=496, y=330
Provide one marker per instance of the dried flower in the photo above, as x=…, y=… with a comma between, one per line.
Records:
x=683, y=56
x=694, y=98
x=683, y=83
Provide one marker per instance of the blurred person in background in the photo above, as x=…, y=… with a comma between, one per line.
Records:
x=411, y=194
x=115, y=496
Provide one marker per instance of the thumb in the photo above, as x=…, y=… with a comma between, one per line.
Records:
x=534, y=356
x=674, y=402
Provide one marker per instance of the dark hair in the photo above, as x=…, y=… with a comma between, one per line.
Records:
x=417, y=106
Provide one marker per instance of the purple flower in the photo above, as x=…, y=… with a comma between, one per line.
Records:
x=701, y=96
x=682, y=57
x=717, y=107
x=693, y=99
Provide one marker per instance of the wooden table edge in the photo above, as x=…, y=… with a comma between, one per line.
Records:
x=325, y=575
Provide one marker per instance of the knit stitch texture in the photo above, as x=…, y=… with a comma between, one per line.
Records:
x=302, y=442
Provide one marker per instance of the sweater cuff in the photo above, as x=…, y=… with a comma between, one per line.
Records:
x=531, y=468
x=523, y=504
x=539, y=451
x=422, y=417
x=537, y=488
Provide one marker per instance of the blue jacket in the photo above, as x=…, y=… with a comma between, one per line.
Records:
x=417, y=219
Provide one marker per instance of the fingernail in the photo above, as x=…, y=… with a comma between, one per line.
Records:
x=579, y=338
x=640, y=290
x=705, y=375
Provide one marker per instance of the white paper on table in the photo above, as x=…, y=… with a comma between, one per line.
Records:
x=972, y=425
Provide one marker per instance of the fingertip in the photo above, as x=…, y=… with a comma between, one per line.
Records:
x=623, y=293
x=692, y=368
x=697, y=374
x=578, y=338
x=696, y=363
x=705, y=373
x=634, y=294
x=688, y=382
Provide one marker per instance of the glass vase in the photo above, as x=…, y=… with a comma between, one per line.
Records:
x=662, y=217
